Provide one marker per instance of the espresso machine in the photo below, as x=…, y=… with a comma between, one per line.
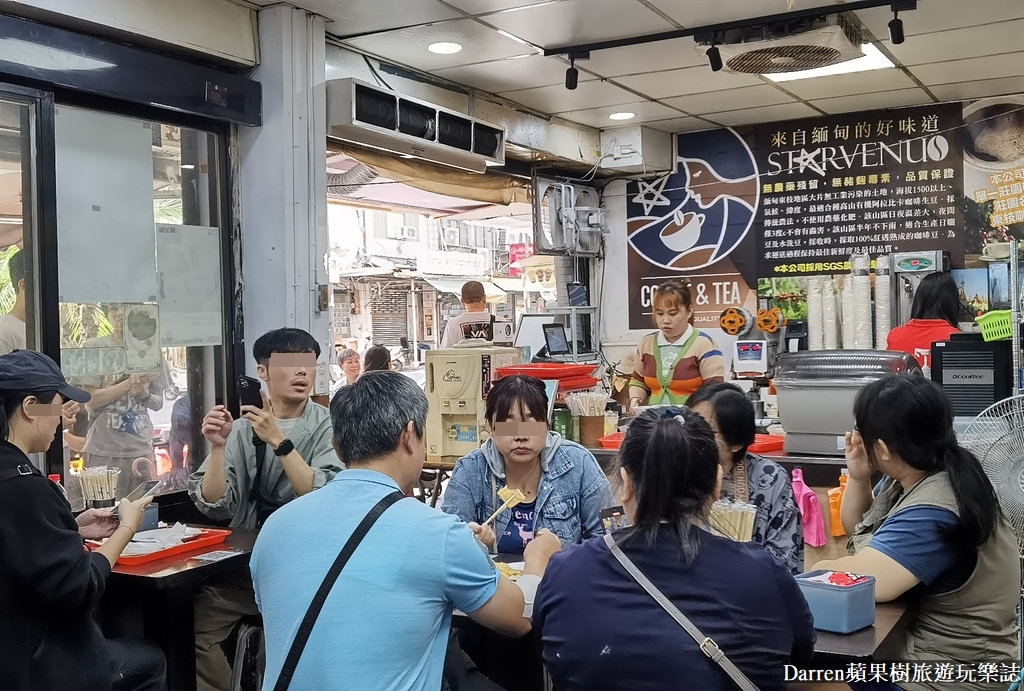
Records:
x=908, y=268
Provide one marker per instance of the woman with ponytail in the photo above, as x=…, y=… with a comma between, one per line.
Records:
x=601, y=630
x=931, y=529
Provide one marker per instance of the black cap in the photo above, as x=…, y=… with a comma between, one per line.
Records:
x=32, y=372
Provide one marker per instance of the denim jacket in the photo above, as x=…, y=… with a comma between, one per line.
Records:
x=573, y=490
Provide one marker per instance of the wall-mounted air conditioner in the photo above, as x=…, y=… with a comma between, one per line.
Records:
x=368, y=115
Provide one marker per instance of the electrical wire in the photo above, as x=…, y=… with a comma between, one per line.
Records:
x=376, y=74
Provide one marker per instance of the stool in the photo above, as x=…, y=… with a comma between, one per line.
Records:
x=250, y=656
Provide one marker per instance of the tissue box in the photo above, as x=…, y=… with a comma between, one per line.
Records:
x=839, y=609
x=151, y=518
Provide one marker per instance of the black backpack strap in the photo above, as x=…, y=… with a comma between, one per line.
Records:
x=254, y=491
x=308, y=621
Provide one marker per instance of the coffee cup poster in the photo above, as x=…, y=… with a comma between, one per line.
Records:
x=791, y=199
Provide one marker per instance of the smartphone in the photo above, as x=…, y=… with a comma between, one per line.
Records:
x=249, y=392
x=143, y=490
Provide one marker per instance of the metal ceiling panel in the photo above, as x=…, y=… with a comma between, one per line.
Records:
x=765, y=114
x=980, y=89
x=598, y=117
x=689, y=13
x=849, y=84
x=972, y=69
x=512, y=74
x=692, y=80
x=647, y=57
x=881, y=99
x=941, y=15
x=730, y=99
x=579, y=21
x=675, y=125
x=556, y=99
x=957, y=44
x=484, y=6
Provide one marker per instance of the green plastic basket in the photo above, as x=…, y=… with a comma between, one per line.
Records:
x=996, y=325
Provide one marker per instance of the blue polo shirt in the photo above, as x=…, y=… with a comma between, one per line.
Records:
x=385, y=623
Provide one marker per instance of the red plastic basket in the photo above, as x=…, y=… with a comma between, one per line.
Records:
x=576, y=384
x=763, y=443
x=612, y=441
x=548, y=370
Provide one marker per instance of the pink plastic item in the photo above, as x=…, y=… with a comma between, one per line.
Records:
x=815, y=534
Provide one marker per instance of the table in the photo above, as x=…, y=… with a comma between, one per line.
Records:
x=157, y=598
x=891, y=619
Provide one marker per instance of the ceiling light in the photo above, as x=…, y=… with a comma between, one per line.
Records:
x=622, y=116
x=714, y=58
x=873, y=59
x=896, y=29
x=572, y=76
x=444, y=48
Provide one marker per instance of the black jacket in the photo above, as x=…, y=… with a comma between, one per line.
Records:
x=49, y=586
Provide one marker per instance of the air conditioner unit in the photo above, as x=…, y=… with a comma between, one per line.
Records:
x=370, y=116
x=794, y=47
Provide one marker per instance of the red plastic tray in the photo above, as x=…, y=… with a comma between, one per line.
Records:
x=612, y=441
x=766, y=442
x=548, y=370
x=209, y=536
x=576, y=384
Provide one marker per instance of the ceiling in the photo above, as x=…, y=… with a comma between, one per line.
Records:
x=954, y=49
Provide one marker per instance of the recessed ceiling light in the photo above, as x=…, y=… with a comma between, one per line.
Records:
x=622, y=116
x=444, y=48
x=873, y=59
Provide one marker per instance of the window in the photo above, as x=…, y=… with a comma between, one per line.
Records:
x=140, y=283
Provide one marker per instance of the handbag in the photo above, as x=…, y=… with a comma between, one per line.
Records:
x=707, y=645
x=306, y=627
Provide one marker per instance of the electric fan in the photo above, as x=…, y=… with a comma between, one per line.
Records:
x=996, y=437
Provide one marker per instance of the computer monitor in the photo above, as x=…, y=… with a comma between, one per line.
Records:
x=529, y=334
x=556, y=340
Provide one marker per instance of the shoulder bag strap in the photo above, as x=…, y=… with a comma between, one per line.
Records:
x=707, y=645
x=306, y=627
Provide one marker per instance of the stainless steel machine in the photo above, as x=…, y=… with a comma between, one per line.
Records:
x=817, y=388
x=908, y=268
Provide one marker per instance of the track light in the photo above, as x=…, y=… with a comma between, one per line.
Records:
x=714, y=58
x=896, y=29
x=572, y=75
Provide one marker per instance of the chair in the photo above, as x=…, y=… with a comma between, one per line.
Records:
x=250, y=656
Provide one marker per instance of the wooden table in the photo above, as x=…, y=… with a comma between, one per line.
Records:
x=891, y=620
x=155, y=600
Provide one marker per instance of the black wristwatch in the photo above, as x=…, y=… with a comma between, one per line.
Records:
x=284, y=448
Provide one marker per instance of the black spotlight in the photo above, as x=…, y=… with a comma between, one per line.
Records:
x=572, y=75
x=714, y=58
x=896, y=29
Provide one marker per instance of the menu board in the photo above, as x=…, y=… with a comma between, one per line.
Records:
x=877, y=182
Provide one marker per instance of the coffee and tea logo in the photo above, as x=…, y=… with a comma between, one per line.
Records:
x=451, y=377
x=696, y=216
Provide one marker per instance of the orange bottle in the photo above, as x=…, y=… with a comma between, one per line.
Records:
x=835, y=505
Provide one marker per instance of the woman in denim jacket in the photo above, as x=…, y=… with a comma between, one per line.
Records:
x=564, y=487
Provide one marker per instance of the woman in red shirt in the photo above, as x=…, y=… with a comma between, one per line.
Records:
x=933, y=317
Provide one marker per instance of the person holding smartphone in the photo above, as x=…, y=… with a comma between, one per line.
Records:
x=50, y=584
x=276, y=449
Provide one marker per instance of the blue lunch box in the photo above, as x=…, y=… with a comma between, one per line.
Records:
x=839, y=609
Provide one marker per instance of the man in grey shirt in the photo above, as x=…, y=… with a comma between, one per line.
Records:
x=474, y=299
x=256, y=464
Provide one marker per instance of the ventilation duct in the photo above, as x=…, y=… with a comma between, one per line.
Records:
x=349, y=182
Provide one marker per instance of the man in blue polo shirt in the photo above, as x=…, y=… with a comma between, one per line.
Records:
x=385, y=623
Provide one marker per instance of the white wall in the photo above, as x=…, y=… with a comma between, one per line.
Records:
x=215, y=27
x=618, y=341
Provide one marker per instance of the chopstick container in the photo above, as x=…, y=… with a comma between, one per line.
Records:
x=591, y=429
x=839, y=608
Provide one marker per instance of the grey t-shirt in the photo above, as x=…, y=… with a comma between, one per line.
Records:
x=123, y=428
x=12, y=334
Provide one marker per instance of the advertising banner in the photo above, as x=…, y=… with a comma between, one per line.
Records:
x=787, y=200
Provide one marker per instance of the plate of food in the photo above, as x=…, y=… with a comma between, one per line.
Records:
x=511, y=570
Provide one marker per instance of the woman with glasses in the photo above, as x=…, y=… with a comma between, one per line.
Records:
x=751, y=479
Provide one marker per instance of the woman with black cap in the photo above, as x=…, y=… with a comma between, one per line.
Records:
x=49, y=583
